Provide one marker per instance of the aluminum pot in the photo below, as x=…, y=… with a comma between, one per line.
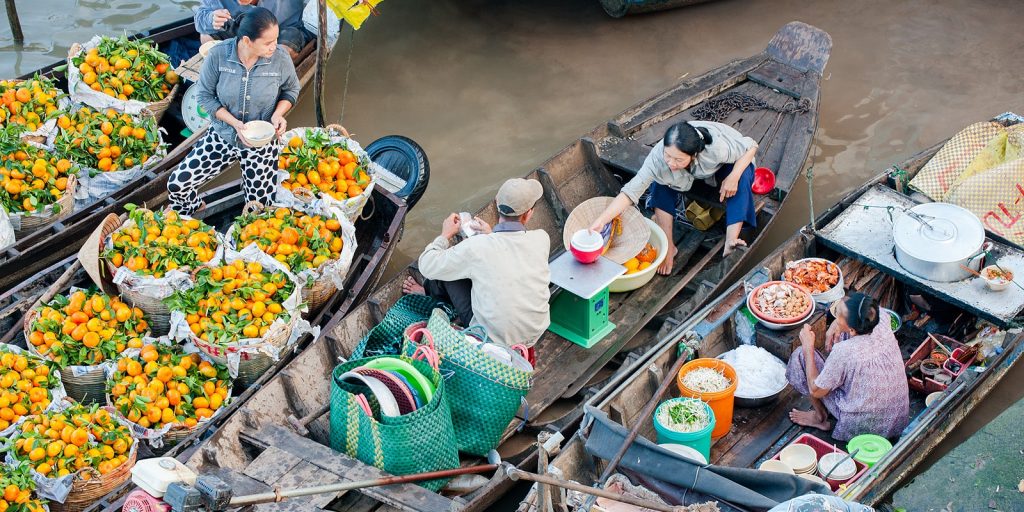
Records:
x=933, y=240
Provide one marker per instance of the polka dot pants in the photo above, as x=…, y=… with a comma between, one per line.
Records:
x=208, y=158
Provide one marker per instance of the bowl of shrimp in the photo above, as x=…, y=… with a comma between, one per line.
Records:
x=780, y=304
x=821, y=277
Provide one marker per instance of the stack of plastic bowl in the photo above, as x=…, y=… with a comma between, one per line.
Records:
x=801, y=458
x=836, y=468
x=776, y=466
x=397, y=386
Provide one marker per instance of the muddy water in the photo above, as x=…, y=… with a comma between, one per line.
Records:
x=492, y=88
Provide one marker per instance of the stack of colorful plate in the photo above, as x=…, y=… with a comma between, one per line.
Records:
x=398, y=387
x=800, y=457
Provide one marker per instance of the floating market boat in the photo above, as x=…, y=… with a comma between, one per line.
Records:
x=857, y=235
x=620, y=8
x=254, y=449
x=51, y=245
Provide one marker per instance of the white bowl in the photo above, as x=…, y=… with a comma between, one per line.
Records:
x=685, y=451
x=814, y=478
x=847, y=468
x=776, y=466
x=801, y=457
x=993, y=284
x=625, y=283
x=205, y=48
x=258, y=133
x=586, y=240
x=933, y=397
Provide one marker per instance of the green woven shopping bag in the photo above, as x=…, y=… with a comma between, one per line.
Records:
x=386, y=337
x=417, y=442
x=485, y=393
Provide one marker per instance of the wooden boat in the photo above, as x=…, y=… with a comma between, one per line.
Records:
x=58, y=241
x=620, y=8
x=759, y=433
x=255, y=450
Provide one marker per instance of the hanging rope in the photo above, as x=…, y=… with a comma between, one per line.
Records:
x=348, y=68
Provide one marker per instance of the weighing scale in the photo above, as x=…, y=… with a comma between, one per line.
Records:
x=579, y=313
x=196, y=118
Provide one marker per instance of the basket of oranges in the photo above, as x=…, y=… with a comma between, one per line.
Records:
x=112, y=148
x=151, y=255
x=165, y=393
x=32, y=105
x=130, y=76
x=316, y=245
x=80, y=332
x=76, y=453
x=28, y=385
x=18, y=489
x=37, y=187
x=241, y=314
x=326, y=164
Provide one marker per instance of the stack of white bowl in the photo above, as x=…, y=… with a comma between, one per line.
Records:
x=801, y=457
x=844, y=469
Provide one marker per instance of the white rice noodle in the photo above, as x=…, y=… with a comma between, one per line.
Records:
x=759, y=372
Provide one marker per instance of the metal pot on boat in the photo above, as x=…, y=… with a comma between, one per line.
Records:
x=933, y=240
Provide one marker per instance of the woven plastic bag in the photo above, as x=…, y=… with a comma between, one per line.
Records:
x=386, y=337
x=485, y=393
x=417, y=442
x=6, y=230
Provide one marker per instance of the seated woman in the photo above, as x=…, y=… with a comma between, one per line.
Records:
x=704, y=150
x=861, y=383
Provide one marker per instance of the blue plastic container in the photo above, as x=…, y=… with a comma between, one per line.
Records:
x=699, y=440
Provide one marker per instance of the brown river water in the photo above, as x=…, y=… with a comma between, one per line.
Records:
x=492, y=88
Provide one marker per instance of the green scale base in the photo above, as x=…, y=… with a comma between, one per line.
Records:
x=581, y=321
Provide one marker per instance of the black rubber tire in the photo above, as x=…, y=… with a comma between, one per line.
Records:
x=406, y=159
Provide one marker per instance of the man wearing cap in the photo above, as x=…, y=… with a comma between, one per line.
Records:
x=499, y=278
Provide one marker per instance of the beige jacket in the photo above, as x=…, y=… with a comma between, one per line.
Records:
x=510, y=276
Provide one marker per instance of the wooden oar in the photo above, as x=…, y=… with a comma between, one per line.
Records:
x=517, y=474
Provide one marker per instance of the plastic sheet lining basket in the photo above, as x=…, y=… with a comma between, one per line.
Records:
x=386, y=337
x=485, y=393
x=81, y=92
x=32, y=222
x=420, y=441
x=86, y=492
x=252, y=361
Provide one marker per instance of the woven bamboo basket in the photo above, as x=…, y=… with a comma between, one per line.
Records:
x=316, y=294
x=87, y=388
x=251, y=365
x=177, y=433
x=155, y=109
x=31, y=223
x=86, y=492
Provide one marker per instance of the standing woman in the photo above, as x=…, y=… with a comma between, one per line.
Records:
x=246, y=78
x=713, y=152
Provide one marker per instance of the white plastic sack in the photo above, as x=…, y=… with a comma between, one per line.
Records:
x=293, y=305
x=6, y=229
x=311, y=20
x=351, y=207
x=82, y=93
x=335, y=270
x=94, y=184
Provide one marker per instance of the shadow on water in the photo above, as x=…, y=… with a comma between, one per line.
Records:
x=492, y=88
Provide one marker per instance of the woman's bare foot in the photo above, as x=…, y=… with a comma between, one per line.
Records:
x=666, y=266
x=411, y=287
x=810, y=419
x=731, y=246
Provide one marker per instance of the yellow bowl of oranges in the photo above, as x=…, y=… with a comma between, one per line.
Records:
x=640, y=269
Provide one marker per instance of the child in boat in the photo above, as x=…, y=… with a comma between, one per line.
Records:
x=497, y=279
x=861, y=383
x=705, y=150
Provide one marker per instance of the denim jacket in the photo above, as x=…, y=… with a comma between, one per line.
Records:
x=249, y=94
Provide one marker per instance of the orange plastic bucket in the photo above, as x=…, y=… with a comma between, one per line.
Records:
x=721, y=402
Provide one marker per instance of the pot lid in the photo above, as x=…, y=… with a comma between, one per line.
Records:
x=872, y=448
x=938, y=232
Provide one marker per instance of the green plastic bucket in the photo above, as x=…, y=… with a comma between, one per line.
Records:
x=699, y=440
x=872, y=448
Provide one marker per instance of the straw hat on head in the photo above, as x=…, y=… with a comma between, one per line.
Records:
x=634, y=236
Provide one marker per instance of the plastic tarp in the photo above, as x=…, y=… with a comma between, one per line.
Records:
x=745, y=488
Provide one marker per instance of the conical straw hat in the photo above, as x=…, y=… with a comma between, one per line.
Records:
x=635, y=231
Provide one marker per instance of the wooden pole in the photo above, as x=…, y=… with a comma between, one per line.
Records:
x=12, y=18
x=321, y=61
x=517, y=474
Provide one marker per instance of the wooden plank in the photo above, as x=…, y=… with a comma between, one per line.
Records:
x=799, y=136
x=404, y=496
x=605, y=181
x=271, y=465
x=551, y=196
x=778, y=76
x=624, y=154
x=304, y=474
x=687, y=94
